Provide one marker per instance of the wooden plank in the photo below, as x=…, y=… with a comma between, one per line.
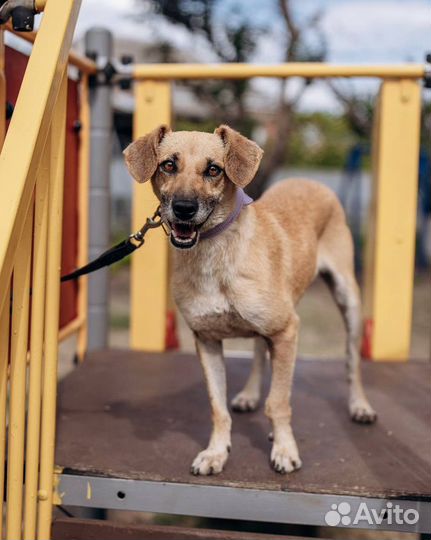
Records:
x=89, y=529
x=150, y=417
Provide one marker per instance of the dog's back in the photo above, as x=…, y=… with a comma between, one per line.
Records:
x=301, y=211
x=300, y=204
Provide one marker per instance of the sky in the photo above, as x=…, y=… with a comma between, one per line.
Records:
x=357, y=31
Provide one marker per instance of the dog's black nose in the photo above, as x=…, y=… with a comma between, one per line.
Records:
x=185, y=209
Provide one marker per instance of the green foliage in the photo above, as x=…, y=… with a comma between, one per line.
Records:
x=183, y=124
x=209, y=125
x=234, y=41
x=119, y=321
x=320, y=140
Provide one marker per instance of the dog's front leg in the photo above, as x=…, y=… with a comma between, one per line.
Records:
x=212, y=460
x=284, y=454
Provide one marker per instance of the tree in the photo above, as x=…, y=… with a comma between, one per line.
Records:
x=235, y=41
x=296, y=49
x=358, y=109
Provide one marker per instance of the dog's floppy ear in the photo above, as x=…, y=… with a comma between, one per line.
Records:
x=242, y=156
x=141, y=155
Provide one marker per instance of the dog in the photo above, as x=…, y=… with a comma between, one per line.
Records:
x=239, y=269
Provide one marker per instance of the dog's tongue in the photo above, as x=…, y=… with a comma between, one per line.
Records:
x=183, y=230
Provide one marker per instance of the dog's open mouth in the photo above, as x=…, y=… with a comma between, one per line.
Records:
x=184, y=235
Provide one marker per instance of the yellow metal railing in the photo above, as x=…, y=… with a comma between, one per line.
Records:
x=85, y=65
x=86, y=68
x=293, y=69
x=389, y=262
x=31, y=188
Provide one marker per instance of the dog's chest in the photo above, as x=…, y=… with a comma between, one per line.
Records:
x=210, y=299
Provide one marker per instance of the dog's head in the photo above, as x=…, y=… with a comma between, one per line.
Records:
x=194, y=175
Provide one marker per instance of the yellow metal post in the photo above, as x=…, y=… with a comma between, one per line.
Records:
x=36, y=344
x=52, y=302
x=392, y=226
x=18, y=371
x=149, y=272
x=4, y=362
x=84, y=186
x=4, y=313
x=2, y=88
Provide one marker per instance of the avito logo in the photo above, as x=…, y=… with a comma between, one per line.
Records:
x=341, y=514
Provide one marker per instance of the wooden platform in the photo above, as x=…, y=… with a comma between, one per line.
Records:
x=93, y=529
x=144, y=417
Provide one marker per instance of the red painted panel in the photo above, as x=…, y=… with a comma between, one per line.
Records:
x=69, y=290
x=16, y=63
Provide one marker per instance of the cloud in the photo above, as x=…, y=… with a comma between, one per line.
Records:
x=357, y=31
x=377, y=31
x=127, y=19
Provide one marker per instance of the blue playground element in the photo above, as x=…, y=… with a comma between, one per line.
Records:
x=350, y=194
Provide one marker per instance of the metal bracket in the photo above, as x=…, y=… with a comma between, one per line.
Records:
x=9, y=110
x=58, y=471
x=111, y=71
x=21, y=12
x=225, y=502
x=427, y=76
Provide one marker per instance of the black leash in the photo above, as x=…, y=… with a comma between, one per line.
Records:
x=119, y=251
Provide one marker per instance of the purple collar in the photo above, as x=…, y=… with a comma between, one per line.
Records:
x=242, y=199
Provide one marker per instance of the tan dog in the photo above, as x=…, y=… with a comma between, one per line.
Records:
x=246, y=281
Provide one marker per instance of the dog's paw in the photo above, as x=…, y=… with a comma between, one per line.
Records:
x=285, y=459
x=209, y=462
x=362, y=412
x=244, y=402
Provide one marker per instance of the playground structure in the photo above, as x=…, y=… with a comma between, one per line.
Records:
x=81, y=466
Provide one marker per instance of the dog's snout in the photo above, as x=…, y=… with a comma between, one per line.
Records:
x=185, y=209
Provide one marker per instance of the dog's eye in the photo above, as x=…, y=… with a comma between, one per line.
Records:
x=213, y=171
x=168, y=166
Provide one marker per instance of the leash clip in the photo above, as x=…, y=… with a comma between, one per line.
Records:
x=151, y=223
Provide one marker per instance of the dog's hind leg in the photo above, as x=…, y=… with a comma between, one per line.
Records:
x=212, y=459
x=248, y=399
x=336, y=268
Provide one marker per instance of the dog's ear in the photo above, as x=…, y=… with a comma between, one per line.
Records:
x=141, y=155
x=242, y=156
